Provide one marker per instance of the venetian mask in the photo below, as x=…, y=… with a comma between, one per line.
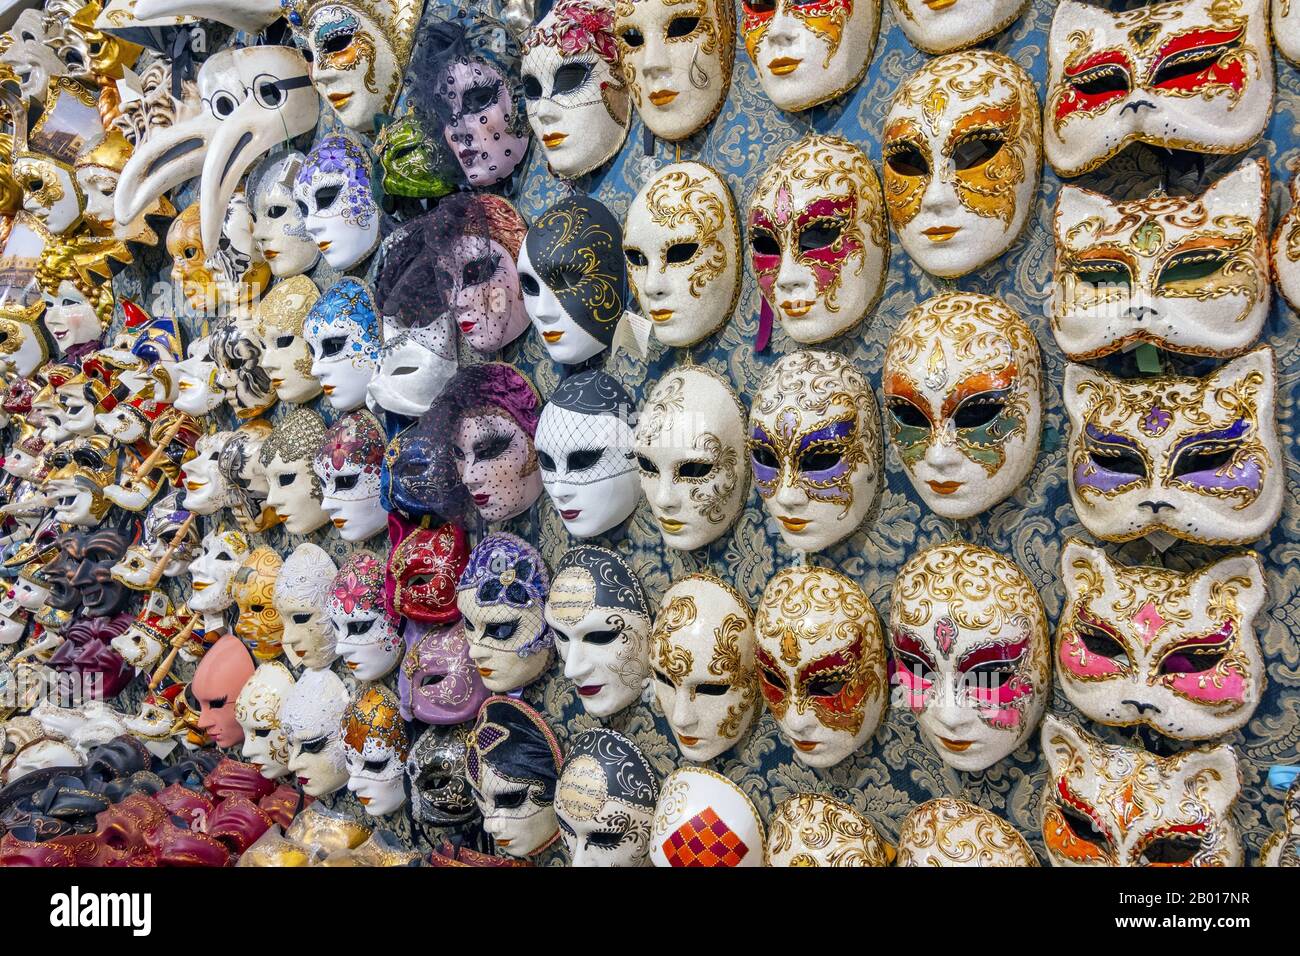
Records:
x=96, y=172
x=150, y=635
x=971, y=651
x=681, y=241
x=258, y=711
x=1111, y=805
x=22, y=347
x=819, y=476
x=690, y=447
x=80, y=470
x=573, y=279
x=342, y=332
x=71, y=317
x=702, y=661
x=311, y=717
x=963, y=398
x=952, y=832
x=425, y=569
x=584, y=449
x=938, y=27
x=190, y=271
x=502, y=596
x=962, y=149
x=601, y=621
x=43, y=165
x=476, y=274
x=81, y=574
x=1175, y=651
x=333, y=194
x=438, y=684
x=279, y=230
x=1285, y=251
x=347, y=465
x=704, y=819
x=818, y=243
x=1187, y=274
x=809, y=829
x=1196, y=458
x=211, y=573
x=605, y=800
x=375, y=746
x=808, y=53
x=243, y=479
x=1192, y=74
x=821, y=663
x=169, y=544
x=237, y=354
x=221, y=675
x=1286, y=29
x=435, y=773
x=149, y=105
x=258, y=623
x=196, y=380
x=33, y=60
x=250, y=16
x=293, y=490
x=301, y=591
x=512, y=763
x=364, y=635
x=576, y=95
x=415, y=366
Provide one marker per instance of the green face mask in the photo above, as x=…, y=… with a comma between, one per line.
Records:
x=413, y=164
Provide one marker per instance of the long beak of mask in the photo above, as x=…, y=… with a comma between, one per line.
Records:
x=251, y=16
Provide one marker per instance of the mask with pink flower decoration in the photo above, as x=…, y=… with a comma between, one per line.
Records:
x=348, y=465
x=365, y=636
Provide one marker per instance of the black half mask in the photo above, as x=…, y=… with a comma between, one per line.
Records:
x=435, y=778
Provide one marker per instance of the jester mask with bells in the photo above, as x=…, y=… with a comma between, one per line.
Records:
x=1111, y=805
x=818, y=242
x=971, y=652
x=605, y=800
x=681, y=241
x=1192, y=74
x=690, y=447
x=43, y=158
x=809, y=829
x=951, y=832
x=963, y=399
x=1196, y=458
x=576, y=95
x=601, y=620
x=286, y=356
x=358, y=51
x=704, y=819
x=279, y=230
x=375, y=745
x=254, y=98
x=292, y=488
x=258, y=711
x=702, y=661
x=31, y=57
x=962, y=150
x=807, y=53
x=814, y=447
x=941, y=26
x=1187, y=274
x=677, y=57
x=821, y=663
x=1175, y=651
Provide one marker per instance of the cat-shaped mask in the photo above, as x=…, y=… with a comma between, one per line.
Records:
x=1196, y=458
x=1189, y=74
x=1175, y=651
x=1110, y=805
x=1187, y=274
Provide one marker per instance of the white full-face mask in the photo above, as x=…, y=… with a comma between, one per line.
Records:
x=79, y=412
x=70, y=319
x=962, y=149
x=22, y=347
x=601, y=620
x=814, y=448
x=292, y=489
x=576, y=98
x=810, y=829
x=33, y=60
x=690, y=446
x=681, y=240
x=301, y=590
x=415, y=366
x=1191, y=74
x=364, y=635
x=333, y=195
x=196, y=380
x=821, y=663
x=963, y=401
x=971, y=652
x=605, y=800
x=286, y=356
x=677, y=57
x=206, y=488
x=347, y=465
x=1286, y=247
x=375, y=747
x=941, y=26
x=702, y=663
x=1196, y=458
x=278, y=229
x=29, y=594
x=220, y=555
x=342, y=332
x=311, y=717
x=258, y=711
x=1187, y=274
x=704, y=819
x=1175, y=651
x=808, y=53
x=951, y=832
x=584, y=450
x=502, y=595
x=818, y=244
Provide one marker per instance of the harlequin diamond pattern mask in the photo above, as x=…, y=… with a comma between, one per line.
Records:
x=1195, y=458
x=806, y=53
x=1193, y=74
x=702, y=819
x=1187, y=274
x=1172, y=650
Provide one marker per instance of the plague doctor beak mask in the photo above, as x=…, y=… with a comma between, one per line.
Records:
x=605, y=800
x=250, y=16
x=300, y=594
x=809, y=829
x=704, y=819
x=952, y=832
x=375, y=746
x=254, y=98
x=258, y=711
x=938, y=27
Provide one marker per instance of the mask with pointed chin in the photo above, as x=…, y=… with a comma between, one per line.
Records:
x=286, y=356
x=279, y=232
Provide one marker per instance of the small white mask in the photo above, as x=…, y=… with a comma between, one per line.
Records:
x=300, y=593
x=278, y=228
x=311, y=717
x=292, y=489
x=364, y=635
x=70, y=319
x=33, y=60
x=808, y=53
x=196, y=380
x=704, y=819
x=220, y=555
x=206, y=488
x=347, y=465
x=415, y=366
x=286, y=357
x=941, y=26
x=258, y=711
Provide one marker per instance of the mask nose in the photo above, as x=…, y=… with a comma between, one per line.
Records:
x=683, y=716
x=1140, y=707
x=782, y=31
x=1155, y=507
x=575, y=662
x=654, y=60
x=792, y=279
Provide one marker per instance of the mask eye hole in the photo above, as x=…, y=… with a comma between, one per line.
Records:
x=345, y=482
x=546, y=462
x=501, y=631
x=816, y=460
x=302, y=208
x=1101, y=80
x=479, y=98
x=773, y=679
x=1171, y=850
x=907, y=414
x=283, y=341
x=532, y=87
x=430, y=680
x=325, y=196
x=275, y=212
x=1099, y=643
x=314, y=746
x=663, y=678
x=287, y=479
x=694, y=470
x=764, y=243
x=646, y=465
x=975, y=149
x=680, y=27
x=680, y=252
x=632, y=37
x=223, y=104
x=510, y=800
x=566, y=278
x=825, y=687
x=760, y=6
x=332, y=346
x=300, y=619
x=571, y=77
x=357, y=628
x=978, y=411
x=529, y=286
x=1083, y=827
x=635, y=258
x=478, y=271
x=712, y=690
x=1193, y=658
x=1192, y=266
x=268, y=93
x=1117, y=460
x=376, y=766
x=1104, y=272
x=584, y=458
x=601, y=638
x=820, y=236
x=906, y=159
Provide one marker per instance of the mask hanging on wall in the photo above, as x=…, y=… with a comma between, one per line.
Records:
x=605, y=800
x=601, y=621
x=211, y=573
x=333, y=194
x=312, y=715
x=258, y=711
x=237, y=266
x=237, y=353
x=424, y=570
x=292, y=489
x=809, y=829
x=78, y=296
x=963, y=401
x=1285, y=250
x=577, y=98
x=221, y=675
x=951, y=832
x=250, y=16
x=143, y=644
x=807, y=54
x=1196, y=458
x=190, y=271
x=342, y=332
x=301, y=591
x=347, y=466
x=97, y=171
x=943, y=27
x=364, y=635
x=43, y=157
x=690, y=446
x=438, y=684
x=818, y=244
x=80, y=470
x=33, y=60
x=375, y=747
x=1286, y=29
x=243, y=478
x=279, y=230
x=258, y=623
x=584, y=449
x=435, y=774
x=502, y=596
x=196, y=380
x=286, y=356
x=704, y=819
